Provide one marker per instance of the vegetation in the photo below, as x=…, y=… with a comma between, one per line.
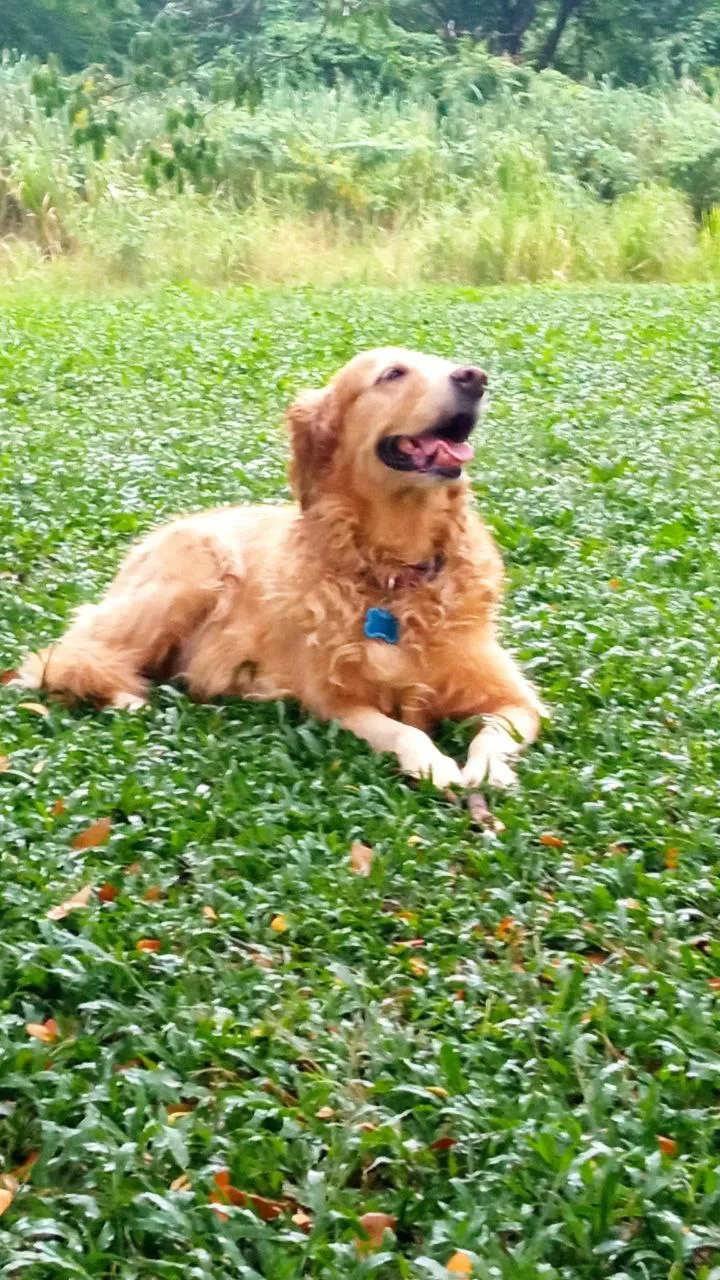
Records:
x=506, y=1043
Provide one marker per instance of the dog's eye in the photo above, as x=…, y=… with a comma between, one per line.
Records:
x=393, y=373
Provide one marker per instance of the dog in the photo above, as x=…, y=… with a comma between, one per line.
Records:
x=371, y=601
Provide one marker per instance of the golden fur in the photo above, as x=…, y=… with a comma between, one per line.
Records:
x=269, y=601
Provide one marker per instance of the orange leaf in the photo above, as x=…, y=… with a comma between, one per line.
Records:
x=133, y=869
x=96, y=834
x=6, y=1199
x=182, y=1183
x=148, y=944
x=58, y=809
x=37, y=708
x=672, y=857
x=418, y=967
x=153, y=894
x=443, y=1144
x=460, y=1264
x=216, y=1203
x=209, y=914
x=714, y=984
x=267, y=1209
x=507, y=925
x=595, y=956
x=375, y=1225
x=279, y=923
x=361, y=856
x=438, y=1090
x=45, y=1031
x=107, y=892
x=325, y=1113
x=551, y=841
x=668, y=1146
x=177, y=1109
x=302, y=1220
x=614, y=583
x=21, y=1172
x=4, y=764
x=79, y=899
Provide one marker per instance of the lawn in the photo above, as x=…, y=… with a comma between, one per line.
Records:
x=509, y=1044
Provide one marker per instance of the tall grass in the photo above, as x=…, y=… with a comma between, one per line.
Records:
x=543, y=179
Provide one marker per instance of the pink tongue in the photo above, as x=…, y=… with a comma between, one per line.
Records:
x=443, y=452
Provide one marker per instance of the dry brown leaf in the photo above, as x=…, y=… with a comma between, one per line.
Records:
x=302, y=1220
x=58, y=809
x=267, y=1209
x=672, y=857
x=668, y=1146
x=153, y=894
x=325, y=1113
x=443, y=1144
x=217, y=1203
x=438, y=1090
x=45, y=1031
x=37, y=708
x=176, y=1110
x=595, y=956
x=78, y=900
x=375, y=1225
x=714, y=984
x=4, y=764
x=209, y=914
x=551, y=841
x=96, y=834
x=133, y=869
x=460, y=1264
x=279, y=923
x=148, y=944
x=38, y=767
x=6, y=1199
x=107, y=892
x=182, y=1183
x=615, y=583
x=418, y=967
x=361, y=856
x=413, y=840
x=631, y=904
x=262, y=961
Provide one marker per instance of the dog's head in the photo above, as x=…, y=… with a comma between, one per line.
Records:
x=389, y=420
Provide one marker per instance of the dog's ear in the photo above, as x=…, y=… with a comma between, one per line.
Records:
x=313, y=422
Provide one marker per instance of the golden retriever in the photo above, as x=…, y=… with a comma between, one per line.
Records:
x=372, y=601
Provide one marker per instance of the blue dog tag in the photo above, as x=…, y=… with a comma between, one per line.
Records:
x=381, y=624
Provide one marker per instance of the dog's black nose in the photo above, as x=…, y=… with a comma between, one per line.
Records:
x=471, y=380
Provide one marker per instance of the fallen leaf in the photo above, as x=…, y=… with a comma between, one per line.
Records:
x=614, y=583
x=209, y=914
x=6, y=1199
x=37, y=708
x=78, y=900
x=413, y=840
x=58, y=809
x=216, y=1204
x=46, y=1031
x=302, y=1220
x=153, y=894
x=668, y=1146
x=443, y=1144
x=361, y=856
x=96, y=834
x=631, y=904
x=107, y=892
x=182, y=1183
x=374, y=1225
x=325, y=1113
x=133, y=869
x=418, y=967
x=415, y=944
x=714, y=984
x=438, y=1091
x=672, y=857
x=176, y=1110
x=148, y=944
x=38, y=767
x=267, y=1209
x=4, y=764
x=507, y=925
x=460, y=1264
x=551, y=841
x=595, y=956
x=279, y=923
x=262, y=961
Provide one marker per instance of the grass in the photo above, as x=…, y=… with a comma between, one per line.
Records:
x=536, y=1086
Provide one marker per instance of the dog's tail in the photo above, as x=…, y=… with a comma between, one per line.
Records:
x=86, y=668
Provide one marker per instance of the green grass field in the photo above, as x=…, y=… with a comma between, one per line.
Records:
x=508, y=1044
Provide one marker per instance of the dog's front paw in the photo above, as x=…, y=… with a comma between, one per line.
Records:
x=489, y=767
x=430, y=763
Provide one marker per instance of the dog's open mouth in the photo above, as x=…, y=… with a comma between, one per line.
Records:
x=443, y=450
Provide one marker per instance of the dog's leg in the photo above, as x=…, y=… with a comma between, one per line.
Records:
x=416, y=752
x=513, y=712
